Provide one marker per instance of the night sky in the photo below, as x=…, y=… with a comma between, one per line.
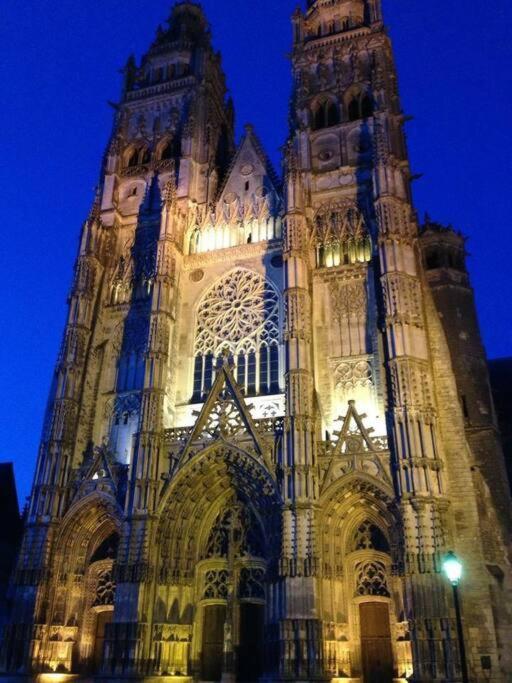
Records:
x=60, y=66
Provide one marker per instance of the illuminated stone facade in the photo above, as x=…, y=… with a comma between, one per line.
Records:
x=257, y=450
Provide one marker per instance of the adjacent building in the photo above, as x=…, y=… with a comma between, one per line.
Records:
x=500, y=370
x=10, y=535
x=271, y=417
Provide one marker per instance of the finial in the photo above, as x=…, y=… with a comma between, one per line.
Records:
x=95, y=211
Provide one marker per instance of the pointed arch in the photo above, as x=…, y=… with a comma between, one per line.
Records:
x=81, y=583
x=86, y=525
x=165, y=149
x=359, y=103
x=347, y=504
x=200, y=491
x=325, y=112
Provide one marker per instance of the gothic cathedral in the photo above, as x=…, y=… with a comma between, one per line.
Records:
x=270, y=417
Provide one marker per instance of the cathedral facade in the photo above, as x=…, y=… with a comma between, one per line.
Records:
x=270, y=417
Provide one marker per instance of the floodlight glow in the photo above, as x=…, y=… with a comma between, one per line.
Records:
x=452, y=567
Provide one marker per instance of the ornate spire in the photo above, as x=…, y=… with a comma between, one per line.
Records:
x=187, y=24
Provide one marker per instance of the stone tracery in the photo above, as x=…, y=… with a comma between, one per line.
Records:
x=371, y=579
x=340, y=235
x=239, y=315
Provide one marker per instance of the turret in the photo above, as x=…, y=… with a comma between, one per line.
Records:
x=444, y=257
x=325, y=17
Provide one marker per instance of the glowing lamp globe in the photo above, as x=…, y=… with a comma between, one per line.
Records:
x=452, y=567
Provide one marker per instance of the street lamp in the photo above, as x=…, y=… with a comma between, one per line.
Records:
x=452, y=567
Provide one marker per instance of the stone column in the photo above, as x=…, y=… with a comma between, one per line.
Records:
x=301, y=647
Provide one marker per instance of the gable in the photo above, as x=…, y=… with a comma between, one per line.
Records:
x=251, y=181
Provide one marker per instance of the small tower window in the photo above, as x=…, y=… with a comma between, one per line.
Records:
x=353, y=109
x=360, y=107
x=366, y=107
x=145, y=156
x=433, y=260
x=325, y=114
x=166, y=152
x=133, y=159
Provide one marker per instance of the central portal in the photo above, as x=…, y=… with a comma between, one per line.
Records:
x=376, y=648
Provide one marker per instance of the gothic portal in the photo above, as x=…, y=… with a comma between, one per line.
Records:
x=270, y=417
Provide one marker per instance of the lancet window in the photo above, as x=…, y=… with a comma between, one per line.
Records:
x=239, y=315
x=360, y=106
x=340, y=236
x=325, y=114
x=137, y=156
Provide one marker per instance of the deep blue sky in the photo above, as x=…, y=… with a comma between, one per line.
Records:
x=59, y=66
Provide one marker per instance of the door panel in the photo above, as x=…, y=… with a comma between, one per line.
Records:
x=102, y=619
x=250, y=649
x=376, y=648
x=213, y=642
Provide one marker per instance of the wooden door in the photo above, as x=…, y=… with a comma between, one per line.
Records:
x=213, y=642
x=376, y=648
x=250, y=648
x=102, y=619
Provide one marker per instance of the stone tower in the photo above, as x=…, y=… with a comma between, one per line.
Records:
x=255, y=456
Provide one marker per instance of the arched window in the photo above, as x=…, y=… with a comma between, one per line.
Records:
x=133, y=158
x=353, y=109
x=239, y=313
x=193, y=246
x=123, y=425
x=325, y=114
x=166, y=152
x=366, y=107
x=145, y=156
x=360, y=106
x=332, y=114
x=433, y=260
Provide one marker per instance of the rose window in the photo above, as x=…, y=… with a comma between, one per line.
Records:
x=239, y=315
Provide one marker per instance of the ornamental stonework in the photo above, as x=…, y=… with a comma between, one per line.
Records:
x=259, y=444
x=239, y=312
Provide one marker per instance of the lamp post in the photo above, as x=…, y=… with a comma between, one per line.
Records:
x=452, y=567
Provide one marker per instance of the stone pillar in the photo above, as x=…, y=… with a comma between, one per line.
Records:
x=301, y=646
